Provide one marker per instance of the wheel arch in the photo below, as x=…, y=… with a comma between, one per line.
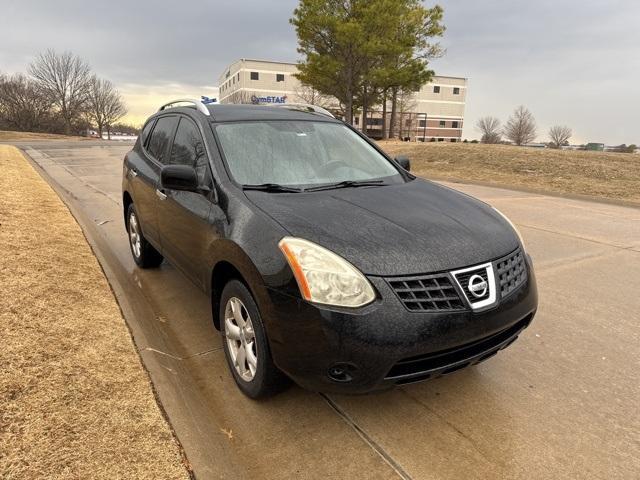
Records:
x=126, y=201
x=233, y=263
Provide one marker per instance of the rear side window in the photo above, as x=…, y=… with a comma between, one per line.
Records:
x=188, y=149
x=160, y=137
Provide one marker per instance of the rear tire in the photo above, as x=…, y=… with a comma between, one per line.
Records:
x=144, y=254
x=245, y=344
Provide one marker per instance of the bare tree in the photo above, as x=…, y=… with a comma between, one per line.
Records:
x=406, y=102
x=115, y=110
x=310, y=95
x=559, y=135
x=490, y=129
x=104, y=104
x=521, y=126
x=23, y=104
x=66, y=78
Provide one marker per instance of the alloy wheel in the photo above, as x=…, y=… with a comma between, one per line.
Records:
x=134, y=235
x=241, y=338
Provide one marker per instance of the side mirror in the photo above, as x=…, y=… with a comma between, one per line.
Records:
x=179, y=177
x=404, y=162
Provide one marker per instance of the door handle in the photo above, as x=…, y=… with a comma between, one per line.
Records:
x=160, y=194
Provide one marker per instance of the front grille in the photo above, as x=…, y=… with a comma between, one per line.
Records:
x=427, y=293
x=511, y=272
x=463, y=281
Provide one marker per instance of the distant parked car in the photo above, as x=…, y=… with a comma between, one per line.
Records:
x=326, y=261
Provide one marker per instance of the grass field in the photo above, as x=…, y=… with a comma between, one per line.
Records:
x=614, y=176
x=9, y=136
x=75, y=401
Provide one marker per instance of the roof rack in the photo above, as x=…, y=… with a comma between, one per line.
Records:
x=305, y=107
x=197, y=103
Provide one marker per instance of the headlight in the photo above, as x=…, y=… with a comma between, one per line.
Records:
x=324, y=277
x=512, y=226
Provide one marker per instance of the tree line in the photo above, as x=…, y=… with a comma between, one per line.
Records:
x=367, y=52
x=59, y=94
x=521, y=129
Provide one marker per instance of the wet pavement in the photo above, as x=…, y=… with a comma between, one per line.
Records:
x=562, y=402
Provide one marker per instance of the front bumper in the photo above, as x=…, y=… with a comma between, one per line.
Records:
x=384, y=344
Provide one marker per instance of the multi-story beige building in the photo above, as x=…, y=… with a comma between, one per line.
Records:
x=435, y=113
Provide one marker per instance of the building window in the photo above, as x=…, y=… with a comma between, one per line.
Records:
x=255, y=76
x=234, y=79
x=279, y=77
x=454, y=124
x=407, y=122
x=443, y=124
x=356, y=120
x=238, y=76
x=456, y=91
x=441, y=139
x=453, y=140
x=374, y=121
x=423, y=123
x=436, y=89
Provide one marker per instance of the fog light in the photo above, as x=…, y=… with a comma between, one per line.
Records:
x=341, y=372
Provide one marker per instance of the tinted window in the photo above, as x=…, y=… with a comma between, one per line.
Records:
x=160, y=137
x=145, y=132
x=188, y=149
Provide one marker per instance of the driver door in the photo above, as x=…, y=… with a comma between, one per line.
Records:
x=184, y=217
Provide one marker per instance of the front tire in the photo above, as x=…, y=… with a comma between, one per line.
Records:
x=144, y=254
x=245, y=344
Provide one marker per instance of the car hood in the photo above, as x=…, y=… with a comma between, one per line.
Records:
x=409, y=228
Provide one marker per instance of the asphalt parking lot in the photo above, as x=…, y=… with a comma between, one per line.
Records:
x=562, y=402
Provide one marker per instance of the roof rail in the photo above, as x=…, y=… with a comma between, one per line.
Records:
x=305, y=107
x=197, y=103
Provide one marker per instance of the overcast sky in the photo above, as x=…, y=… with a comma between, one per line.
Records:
x=573, y=62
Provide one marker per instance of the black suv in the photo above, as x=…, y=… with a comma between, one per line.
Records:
x=326, y=261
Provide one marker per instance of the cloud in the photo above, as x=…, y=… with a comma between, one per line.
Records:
x=571, y=62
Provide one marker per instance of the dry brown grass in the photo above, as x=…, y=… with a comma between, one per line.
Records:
x=9, y=136
x=613, y=176
x=75, y=401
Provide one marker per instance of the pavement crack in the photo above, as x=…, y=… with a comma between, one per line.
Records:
x=586, y=239
x=375, y=446
x=160, y=352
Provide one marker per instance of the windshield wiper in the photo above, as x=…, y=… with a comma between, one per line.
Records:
x=346, y=184
x=271, y=187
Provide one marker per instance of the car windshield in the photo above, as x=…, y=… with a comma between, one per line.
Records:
x=301, y=153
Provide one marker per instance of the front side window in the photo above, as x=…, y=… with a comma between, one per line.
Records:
x=299, y=153
x=188, y=149
x=145, y=132
x=160, y=137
